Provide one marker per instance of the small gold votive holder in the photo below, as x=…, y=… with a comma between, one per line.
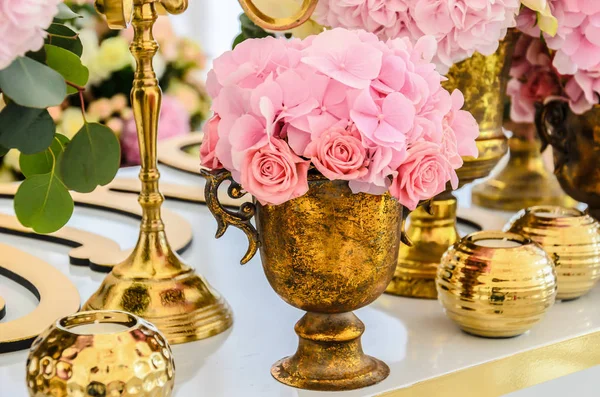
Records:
x=100, y=353
x=496, y=284
x=571, y=238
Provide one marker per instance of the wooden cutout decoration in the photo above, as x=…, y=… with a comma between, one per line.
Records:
x=97, y=252
x=171, y=152
x=2, y=308
x=57, y=295
x=189, y=194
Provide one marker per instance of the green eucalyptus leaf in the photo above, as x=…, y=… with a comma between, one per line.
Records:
x=68, y=65
x=43, y=203
x=65, y=13
x=28, y=129
x=64, y=37
x=91, y=159
x=43, y=162
x=32, y=84
x=39, y=55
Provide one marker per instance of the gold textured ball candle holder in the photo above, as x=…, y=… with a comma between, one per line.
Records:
x=103, y=353
x=571, y=238
x=495, y=284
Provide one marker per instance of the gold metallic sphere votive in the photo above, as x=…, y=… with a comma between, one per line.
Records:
x=495, y=284
x=571, y=238
x=101, y=353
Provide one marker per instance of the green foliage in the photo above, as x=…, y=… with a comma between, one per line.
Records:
x=65, y=13
x=28, y=129
x=43, y=202
x=250, y=31
x=32, y=84
x=91, y=159
x=43, y=162
x=64, y=37
x=68, y=65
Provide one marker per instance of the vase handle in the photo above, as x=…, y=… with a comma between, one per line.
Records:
x=269, y=23
x=553, y=114
x=225, y=217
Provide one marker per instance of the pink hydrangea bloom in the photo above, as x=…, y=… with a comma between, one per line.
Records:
x=535, y=78
x=460, y=27
x=356, y=108
x=23, y=25
x=174, y=121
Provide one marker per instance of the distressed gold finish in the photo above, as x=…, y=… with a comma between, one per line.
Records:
x=571, y=238
x=482, y=80
x=269, y=23
x=328, y=252
x=153, y=282
x=524, y=181
x=576, y=143
x=496, y=292
x=134, y=361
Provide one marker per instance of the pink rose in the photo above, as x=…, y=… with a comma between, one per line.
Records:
x=174, y=121
x=208, y=157
x=383, y=162
x=23, y=25
x=338, y=154
x=423, y=175
x=274, y=174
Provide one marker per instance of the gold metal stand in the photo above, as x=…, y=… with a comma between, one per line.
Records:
x=482, y=80
x=431, y=236
x=152, y=282
x=524, y=181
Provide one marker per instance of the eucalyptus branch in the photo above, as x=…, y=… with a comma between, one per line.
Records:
x=80, y=89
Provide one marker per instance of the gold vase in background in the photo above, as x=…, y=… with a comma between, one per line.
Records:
x=495, y=284
x=129, y=358
x=153, y=282
x=576, y=143
x=328, y=252
x=524, y=181
x=571, y=238
x=482, y=80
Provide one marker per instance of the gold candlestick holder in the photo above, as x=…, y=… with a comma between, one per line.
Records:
x=153, y=282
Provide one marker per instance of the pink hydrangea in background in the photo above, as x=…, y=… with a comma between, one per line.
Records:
x=22, y=26
x=460, y=27
x=174, y=121
x=358, y=109
x=571, y=70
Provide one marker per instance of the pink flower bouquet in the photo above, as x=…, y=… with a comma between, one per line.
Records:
x=567, y=66
x=460, y=27
x=344, y=102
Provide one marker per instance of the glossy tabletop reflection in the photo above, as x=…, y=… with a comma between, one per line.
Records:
x=414, y=337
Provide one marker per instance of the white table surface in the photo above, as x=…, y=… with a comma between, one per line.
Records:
x=413, y=336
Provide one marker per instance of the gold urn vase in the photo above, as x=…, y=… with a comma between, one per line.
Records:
x=482, y=80
x=576, y=143
x=328, y=252
x=525, y=181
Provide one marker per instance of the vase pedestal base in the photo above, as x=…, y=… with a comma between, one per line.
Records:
x=431, y=236
x=524, y=182
x=330, y=356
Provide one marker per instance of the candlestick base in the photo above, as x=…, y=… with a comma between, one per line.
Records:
x=524, y=182
x=154, y=284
